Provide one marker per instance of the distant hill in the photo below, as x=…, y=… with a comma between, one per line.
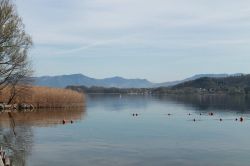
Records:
x=82, y=80
x=173, y=83
x=219, y=82
x=231, y=84
x=62, y=81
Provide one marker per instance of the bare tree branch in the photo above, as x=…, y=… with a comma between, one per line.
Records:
x=14, y=45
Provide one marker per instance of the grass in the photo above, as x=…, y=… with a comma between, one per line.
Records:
x=44, y=97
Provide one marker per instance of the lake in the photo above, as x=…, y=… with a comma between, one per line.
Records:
x=133, y=130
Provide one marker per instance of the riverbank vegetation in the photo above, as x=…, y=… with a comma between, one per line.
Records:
x=43, y=97
x=15, y=68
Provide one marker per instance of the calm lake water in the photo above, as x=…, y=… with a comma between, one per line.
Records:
x=106, y=133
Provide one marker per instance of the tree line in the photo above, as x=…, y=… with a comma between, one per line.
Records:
x=205, y=85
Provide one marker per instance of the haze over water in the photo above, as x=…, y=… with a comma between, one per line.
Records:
x=106, y=133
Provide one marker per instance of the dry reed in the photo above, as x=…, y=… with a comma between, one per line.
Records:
x=44, y=97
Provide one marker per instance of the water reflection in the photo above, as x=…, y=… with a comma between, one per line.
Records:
x=117, y=102
x=42, y=118
x=198, y=103
x=16, y=129
x=111, y=135
x=239, y=104
x=18, y=146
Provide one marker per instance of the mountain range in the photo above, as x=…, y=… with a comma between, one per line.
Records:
x=62, y=81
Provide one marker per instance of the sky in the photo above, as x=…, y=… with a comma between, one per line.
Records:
x=160, y=40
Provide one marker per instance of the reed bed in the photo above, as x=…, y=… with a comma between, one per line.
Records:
x=44, y=97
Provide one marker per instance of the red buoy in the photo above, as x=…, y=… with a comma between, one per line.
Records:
x=241, y=119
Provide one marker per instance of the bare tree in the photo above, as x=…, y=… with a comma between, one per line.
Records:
x=14, y=46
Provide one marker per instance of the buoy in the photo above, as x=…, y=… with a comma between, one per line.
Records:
x=241, y=119
x=189, y=114
x=220, y=119
x=194, y=120
x=169, y=114
x=63, y=121
x=236, y=119
x=136, y=114
x=211, y=114
x=71, y=121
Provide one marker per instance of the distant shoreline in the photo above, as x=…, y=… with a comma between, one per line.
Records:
x=232, y=85
x=149, y=91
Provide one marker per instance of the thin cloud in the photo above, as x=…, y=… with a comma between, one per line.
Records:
x=145, y=29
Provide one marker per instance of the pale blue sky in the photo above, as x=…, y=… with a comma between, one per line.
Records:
x=160, y=40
